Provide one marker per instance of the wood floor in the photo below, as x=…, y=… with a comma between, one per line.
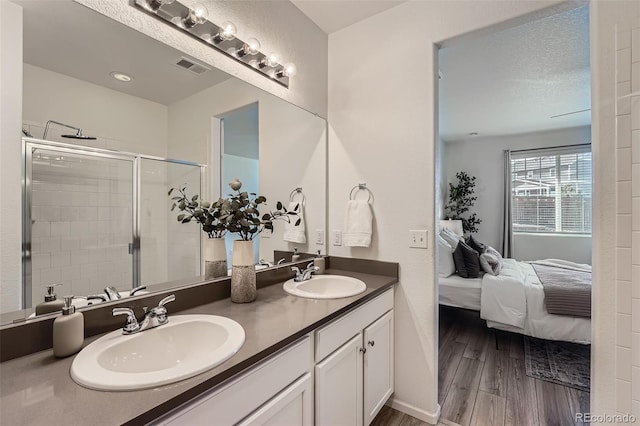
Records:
x=480, y=385
x=390, y=417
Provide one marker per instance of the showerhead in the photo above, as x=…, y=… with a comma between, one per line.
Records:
x=78, y=135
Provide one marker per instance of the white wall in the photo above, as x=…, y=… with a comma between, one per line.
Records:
x=279, y=25
x=483, y=158
x=10, y=154
x=292, y=146
x=119, y=121
x=383, y=132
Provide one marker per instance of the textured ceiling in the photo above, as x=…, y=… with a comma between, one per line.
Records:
x=68, y=38
x=333, y=15
x=515, y=80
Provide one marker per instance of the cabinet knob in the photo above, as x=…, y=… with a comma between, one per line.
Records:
x=371, y=342
x=363, y=350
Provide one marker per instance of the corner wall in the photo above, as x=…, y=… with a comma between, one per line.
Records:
x=382, y=100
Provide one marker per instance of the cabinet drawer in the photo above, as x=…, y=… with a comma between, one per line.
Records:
x=231, y=402
x=332, y=336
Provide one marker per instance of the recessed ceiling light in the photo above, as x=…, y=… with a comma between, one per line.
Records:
x=120, y=76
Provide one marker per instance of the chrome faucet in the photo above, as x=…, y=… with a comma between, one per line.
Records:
x=112, y=293
x=154, y=317
x=306, y=274
x=270, y=264
x=137, y=289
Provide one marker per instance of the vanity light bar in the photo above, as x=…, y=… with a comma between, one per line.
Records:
x=194, y=22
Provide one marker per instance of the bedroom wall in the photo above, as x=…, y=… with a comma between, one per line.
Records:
x=483, y=158
x=383, y=131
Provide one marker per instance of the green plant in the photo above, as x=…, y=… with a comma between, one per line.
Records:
x=240, y=213
x=205, y=213
x=461, y=199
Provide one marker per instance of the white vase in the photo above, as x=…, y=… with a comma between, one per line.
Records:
x=243, y=272
x=215, y=258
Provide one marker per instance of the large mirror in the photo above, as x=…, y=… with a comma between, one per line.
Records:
x=97, y=209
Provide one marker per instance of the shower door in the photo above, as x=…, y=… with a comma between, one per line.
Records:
x=79, y=218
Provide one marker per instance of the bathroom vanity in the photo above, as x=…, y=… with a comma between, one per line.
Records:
x=320, y=361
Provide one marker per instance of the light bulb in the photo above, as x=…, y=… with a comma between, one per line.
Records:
x=198, y=14
x=227, y=32
x=290, y=69
x=154, y=5
x=252, y=46
x=272, y=60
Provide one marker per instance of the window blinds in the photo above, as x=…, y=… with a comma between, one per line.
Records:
x=551, y=190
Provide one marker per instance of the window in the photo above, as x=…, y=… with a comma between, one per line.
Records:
x=551, y=190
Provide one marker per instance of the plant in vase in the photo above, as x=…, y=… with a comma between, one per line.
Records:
x=240, y=214
x=208, y=216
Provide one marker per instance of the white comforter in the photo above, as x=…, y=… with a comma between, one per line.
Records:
x=514, y=301
x=503, y=298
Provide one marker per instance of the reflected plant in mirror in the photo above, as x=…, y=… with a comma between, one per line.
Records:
x=241, y=214
x=208, y=215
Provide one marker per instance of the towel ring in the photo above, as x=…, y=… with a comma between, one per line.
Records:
x=360, y=187
x=296, y=191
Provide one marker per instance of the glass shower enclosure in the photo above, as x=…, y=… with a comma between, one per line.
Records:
x=94, y=218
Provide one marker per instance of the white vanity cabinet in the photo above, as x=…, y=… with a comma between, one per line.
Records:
x=354, y=364
x=277, y=391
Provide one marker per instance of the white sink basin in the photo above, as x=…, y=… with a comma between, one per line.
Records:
x=325, y=287
x=182, y=348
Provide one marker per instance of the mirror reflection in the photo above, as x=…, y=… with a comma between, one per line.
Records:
x=131, y=118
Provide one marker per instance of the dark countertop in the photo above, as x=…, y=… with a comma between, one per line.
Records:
x=37, y=389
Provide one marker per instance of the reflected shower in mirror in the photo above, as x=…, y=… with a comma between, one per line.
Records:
x=170, y=105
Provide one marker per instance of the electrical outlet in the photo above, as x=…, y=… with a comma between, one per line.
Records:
x=319, y=236
x=266, y=233
x=418, y=239
x=337, y=237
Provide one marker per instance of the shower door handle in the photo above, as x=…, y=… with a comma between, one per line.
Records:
x=130, y=248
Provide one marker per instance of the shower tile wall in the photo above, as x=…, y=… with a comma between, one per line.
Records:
x=81, y=224
x=628, y=217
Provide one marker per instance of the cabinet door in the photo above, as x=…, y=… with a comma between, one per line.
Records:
x=378, y=365
x=339, y=386
x=292, y=407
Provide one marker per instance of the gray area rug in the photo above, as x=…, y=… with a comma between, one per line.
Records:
x=564, y=363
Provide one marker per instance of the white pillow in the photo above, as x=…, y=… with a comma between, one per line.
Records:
x=451, y=238
x=446, y=267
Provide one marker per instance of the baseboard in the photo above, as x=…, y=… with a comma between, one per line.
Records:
x=425, y=416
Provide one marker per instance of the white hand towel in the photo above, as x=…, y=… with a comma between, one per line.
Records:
x=293, y=233
x=357, y=224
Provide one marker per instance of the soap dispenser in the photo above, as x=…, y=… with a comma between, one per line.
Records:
x=68, y=330
x=51, y=302
x=320, y=263
x=296, y=256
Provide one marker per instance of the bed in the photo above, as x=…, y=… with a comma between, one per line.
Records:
x=514, y=301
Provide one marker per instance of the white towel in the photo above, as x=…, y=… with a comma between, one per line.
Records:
x=357, y=224
x=293, y=233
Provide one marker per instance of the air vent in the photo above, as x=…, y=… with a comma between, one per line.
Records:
x=192, y=66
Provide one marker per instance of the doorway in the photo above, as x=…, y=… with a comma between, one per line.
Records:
x=524, y=90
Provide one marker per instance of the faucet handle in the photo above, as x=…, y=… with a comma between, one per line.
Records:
x=132, y=323
x=167, y=299
x=310, y=265
x=137, y=289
